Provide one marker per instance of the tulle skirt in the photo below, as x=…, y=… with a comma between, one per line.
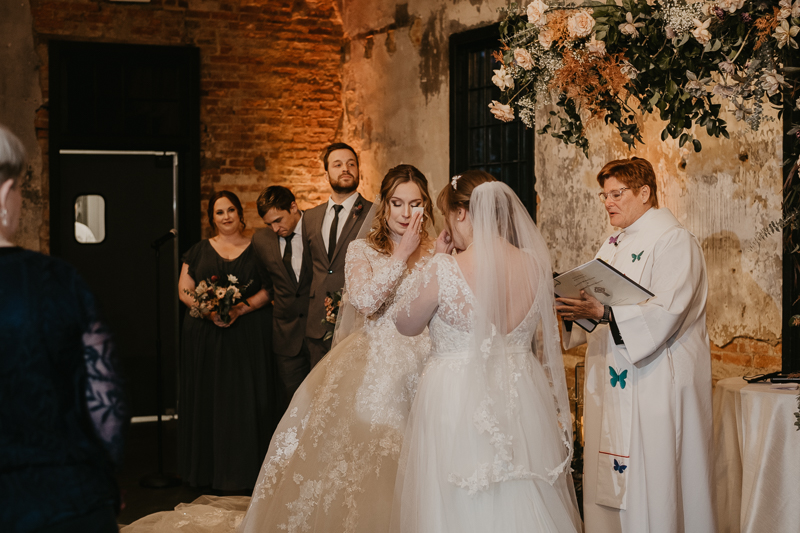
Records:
x=439, y=454
x=332, y=461
x=207, y=514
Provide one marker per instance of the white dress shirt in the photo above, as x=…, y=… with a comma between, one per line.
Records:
x=347, y=206
x=297, y=247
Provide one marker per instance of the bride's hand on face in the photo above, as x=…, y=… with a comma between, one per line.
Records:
x=444, y=243
x=410, y=240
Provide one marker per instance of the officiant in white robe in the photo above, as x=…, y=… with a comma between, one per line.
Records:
x=647, y=407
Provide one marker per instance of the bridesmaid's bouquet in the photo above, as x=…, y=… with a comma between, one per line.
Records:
x=215, y=295
x=333, y=301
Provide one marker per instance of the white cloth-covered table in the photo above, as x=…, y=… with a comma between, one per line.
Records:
x=757, y=463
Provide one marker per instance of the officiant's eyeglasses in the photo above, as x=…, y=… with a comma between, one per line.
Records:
x=613, y=194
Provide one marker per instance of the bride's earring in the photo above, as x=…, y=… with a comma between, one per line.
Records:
x=4, y=216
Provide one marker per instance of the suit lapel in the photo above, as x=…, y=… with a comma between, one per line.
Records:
x=355, y=214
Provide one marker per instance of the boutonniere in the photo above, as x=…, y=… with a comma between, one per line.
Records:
x=357, y=210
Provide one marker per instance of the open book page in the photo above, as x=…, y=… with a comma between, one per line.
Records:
x=604, y=282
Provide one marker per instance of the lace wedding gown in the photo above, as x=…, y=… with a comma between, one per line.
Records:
x=442, y=484
x=332, y=462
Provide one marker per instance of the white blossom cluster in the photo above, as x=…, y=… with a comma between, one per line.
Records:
x=680, y=16
x=527, y=111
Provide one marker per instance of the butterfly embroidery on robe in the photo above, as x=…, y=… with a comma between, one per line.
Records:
x=637, y=257
x=618, y=377
x=618, y=467
x=615, y=239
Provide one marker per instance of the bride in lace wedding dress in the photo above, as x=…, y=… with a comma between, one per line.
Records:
x=332, y=461
x=488, y=443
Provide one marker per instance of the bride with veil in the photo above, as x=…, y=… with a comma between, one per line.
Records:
x=332, y=461
x=488, y=442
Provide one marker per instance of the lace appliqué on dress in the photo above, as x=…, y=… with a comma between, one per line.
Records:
x=354, y=423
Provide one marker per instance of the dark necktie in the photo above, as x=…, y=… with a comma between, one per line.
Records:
x=334, y=231
x=287, y=258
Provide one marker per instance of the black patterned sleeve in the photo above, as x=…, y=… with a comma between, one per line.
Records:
x=105, y=400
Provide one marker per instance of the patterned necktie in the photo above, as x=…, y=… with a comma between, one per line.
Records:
x=334, y=231
x=287, y=258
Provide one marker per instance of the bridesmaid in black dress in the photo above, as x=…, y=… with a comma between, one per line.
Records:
x=229, y=389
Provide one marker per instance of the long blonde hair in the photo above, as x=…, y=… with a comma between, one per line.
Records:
x=379, y=236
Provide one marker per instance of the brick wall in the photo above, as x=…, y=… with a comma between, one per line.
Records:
x=270, y=82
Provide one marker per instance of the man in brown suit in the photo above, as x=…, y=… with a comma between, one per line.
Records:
x=328, y=229
x=285, y=259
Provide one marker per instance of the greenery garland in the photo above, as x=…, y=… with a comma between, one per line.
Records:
x=618, y=61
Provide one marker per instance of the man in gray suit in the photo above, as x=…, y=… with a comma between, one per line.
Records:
x=282, y=253
x=327, y=231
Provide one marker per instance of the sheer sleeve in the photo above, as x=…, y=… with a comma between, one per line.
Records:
x=104, y=397
x=105, y=401
x=369, y=283
x=419, y=304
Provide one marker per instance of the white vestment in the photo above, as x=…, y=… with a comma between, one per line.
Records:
x=651, y=439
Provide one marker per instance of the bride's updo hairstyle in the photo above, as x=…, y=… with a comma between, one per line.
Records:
x=458, y=192
x=379, y=236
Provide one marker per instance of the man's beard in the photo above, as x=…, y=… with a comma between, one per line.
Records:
x=340, y=189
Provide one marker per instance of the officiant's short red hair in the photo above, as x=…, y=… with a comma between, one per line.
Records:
x=634, y=173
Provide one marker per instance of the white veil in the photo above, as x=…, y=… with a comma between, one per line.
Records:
x=513, y=289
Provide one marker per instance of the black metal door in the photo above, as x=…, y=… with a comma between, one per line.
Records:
x=138, y=194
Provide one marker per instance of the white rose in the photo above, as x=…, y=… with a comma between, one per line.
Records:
x=202, y=286
x=503, y=79
x=524, y=59
x=501, y=111
x=546, y=38
x=596, y=47
x=796, y=9
x=536, y=14
x=700, y=32
x=580, y=24
x=232, y=278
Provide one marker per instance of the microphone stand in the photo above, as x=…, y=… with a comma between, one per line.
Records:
x=159, y=480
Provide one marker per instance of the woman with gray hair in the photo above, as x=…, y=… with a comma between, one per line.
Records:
x=61, y=409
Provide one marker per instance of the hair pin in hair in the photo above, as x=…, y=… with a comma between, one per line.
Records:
x=454, y=182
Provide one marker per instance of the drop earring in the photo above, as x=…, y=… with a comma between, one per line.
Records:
x=4, y=215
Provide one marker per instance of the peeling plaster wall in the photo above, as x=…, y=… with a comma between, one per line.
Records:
x=20, y=98
x=396, y=110
x=725, y=195
x=395, y=81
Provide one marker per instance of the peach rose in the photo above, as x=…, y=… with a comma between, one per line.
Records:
x=536, y=14
x=501, y=111
x=580, y=24
x=523, y=58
